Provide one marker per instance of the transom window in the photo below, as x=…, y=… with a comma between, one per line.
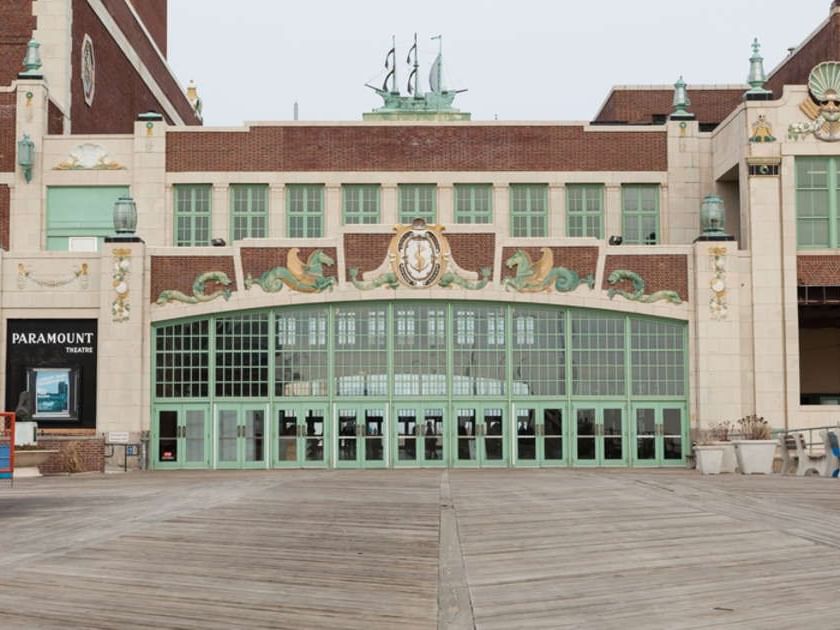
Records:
x=192, y=215
x=473, y=203
x=242, y=355
x=360, y=203
x=529, y=210
x=585, y=210
x=301, y=354
x=305, y=210
x=817, y=184
x=248, y=211
x=640, y=214
x=417, y=201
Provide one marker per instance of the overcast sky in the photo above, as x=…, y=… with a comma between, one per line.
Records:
x=519, y=59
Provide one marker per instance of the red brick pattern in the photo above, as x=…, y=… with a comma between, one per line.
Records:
x=582, y=260
x=120, y=92
x=416, y=148
x=818, y=271
x=638, y=107
x=179, y=273
x=75, y=454
x=257, y=260
x=365, y=252
x=661, y=272
x=8, y=142
x=154, y=14
x=473, y=252
x=823, y=46
x=5, y=212
x=16, y=26
x=55, y=120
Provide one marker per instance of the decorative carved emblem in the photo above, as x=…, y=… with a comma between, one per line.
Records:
x=762, y=131
x=717, y=304
x=638, y=292
x=534, y=277
x=24, y=275
x=199, y=287
x=419, y=257
x=120, y=307
x=299, y=276
x=88, y=67
x=822, y=105
x=88, y=156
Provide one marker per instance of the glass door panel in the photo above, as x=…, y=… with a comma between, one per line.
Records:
x=659, y=430
x=612, y=446
x=433, y=434
x=552, y=436
x=406, y=438
x=672, y=435
x=465, y=441
x=300, y=435
x=287, y=437
x=526, y=436
x=195, y=438
x=480, y=435
x=314, y=433
x=253, y=438
x=374, y=437
x=181, y=437
x=585, y=424
x=227, y=432
x=493, y=436
x=600, y=435
x=348, y=428
x=646, y=435
x=167, y=442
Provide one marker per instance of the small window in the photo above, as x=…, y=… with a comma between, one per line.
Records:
x=360, y=204
x=585, y=210
x=417, y=201
x=816, y=195
x=305, y=210
x=640, y=214
x=529, y=210
x=248, y=211
x=192, y=215
x=473, y=203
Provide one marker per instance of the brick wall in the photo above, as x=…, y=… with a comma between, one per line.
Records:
x=818, y=271
x=256, y=260
x=55, y=120
x=824, y=46
x=179, y=273
x=5, y=212
x=154, y=14
x=365, y=251
x=75, y=454
x=582, y=260
x=640, y=106
x=16, y=26
x=473, y=252
x=661, y=272
x=8, y=142
x=120, y=93
x=416, y=148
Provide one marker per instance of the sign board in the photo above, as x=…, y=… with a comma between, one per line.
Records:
x=117, y=437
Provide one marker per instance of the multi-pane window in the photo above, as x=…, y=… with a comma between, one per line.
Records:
x=248, y=211
x=817, y=184
x=473, y=203
x=417, y=201
x=640, y=214
x=529, y=210
x=585, y=210
x=305, y=210
x=538, y=357
x=192, y=215
x=361, y=362
x=419, y=350
x=301, y=354
x=242, y=355
x=597, y=354
x=478, y=354
x=658, y=358
x=360, y=204
x=182, y=360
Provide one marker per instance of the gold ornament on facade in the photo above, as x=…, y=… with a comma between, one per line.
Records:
x=718, y=306
x=24, y=275
x=120, y=307
x=822, y=105
x=89, y=157
x=762, y=131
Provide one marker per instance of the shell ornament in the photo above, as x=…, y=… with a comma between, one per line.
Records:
x=822, y=106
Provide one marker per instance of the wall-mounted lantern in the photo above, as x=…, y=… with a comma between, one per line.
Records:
x=713, y=219
x=26, y=156
x=125, y=216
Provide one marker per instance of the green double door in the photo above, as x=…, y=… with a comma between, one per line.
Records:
x=539, y=435
x=419, y=435
x=658, y=434
x=600, y=435
x=361, y=436
x=479, y=435
x=241, y=436
x=302, y=436
x=181, y=437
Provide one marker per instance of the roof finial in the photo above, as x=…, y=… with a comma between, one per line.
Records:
x=681, y=102
x=32, y=62
x=757, y=76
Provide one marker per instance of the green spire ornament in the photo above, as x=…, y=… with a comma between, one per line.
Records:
x=681, y=102
x=757, y=76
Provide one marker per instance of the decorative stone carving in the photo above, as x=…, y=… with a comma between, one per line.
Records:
x=199, y=287
x=24, y=275
x=299, y=276
x=121, y=307
x=535, y=277
x=717, y=304
x=822, y=105
x=638, y=292
x=88, y=156
x=762, y=131
x=419, y=258
x=88, y=66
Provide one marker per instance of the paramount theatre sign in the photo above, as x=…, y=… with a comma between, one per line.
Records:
x=74, y=342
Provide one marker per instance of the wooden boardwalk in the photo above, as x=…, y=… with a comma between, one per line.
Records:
x=511, y=549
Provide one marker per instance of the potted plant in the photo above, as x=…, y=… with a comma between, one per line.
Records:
x=708, y=453
x=755, y=450
x=720, y=433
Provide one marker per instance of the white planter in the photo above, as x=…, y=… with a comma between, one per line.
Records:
x=730, y=461
x=709, y=459
x=755, y=456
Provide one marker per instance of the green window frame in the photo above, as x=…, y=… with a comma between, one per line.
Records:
x=640, y=214
x=248, y=211
x=473, y=203
x=417, y=201
x=360, y=204
x=817, y=184
x=241, y=357
x=529, y=210
x=80, y=216
x=585, y=210
x=305, y=210
x=182, y=360
x=192, y=214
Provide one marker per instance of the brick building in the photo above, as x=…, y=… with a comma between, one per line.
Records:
x=413, y=289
